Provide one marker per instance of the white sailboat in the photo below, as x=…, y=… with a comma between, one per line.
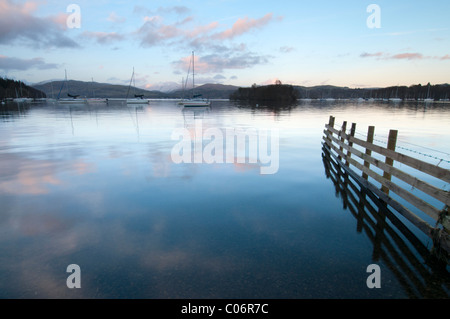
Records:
x=21, y=99
x=196, y=100
x=395, y=99
x=428, y=99
x=93, y=99
x=71, y=99
x=138, y=98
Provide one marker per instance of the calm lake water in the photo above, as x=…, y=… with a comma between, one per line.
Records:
x=98, y=186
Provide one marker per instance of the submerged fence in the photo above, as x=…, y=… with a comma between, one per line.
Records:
x=417, y=269
x=359, y=158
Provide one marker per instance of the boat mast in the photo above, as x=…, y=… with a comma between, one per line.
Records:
x=193, y=82
x=67, y=83
x=131, y=81
x=134, y=84
x=93, y=93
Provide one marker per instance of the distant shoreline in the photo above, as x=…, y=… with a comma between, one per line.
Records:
x=54, y=89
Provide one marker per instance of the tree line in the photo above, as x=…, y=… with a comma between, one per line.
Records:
x=13, y=89
x=413, y=92
x=280, y=92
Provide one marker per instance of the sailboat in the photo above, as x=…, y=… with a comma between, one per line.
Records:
x=428, y=99
x=72, y=98
x=138, y=98
x=21, y=99
x=395, y=99
x=196, y=100
x=94, y=100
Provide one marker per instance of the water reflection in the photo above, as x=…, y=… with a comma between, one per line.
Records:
x=95, y=185
x=421, y=273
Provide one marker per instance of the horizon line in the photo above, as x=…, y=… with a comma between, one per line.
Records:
x=224, y=84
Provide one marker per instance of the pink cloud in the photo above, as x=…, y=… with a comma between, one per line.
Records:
x=200, y=66
x=243, y=25
x=408, y=56
x=402, y=56
x=60, y=19
x=155, y=31
x=271, y=81
x=29, y=7
x=202, y=30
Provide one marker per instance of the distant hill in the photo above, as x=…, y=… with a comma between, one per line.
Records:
x=12, y=89
x=221, y=91
x=208, y=91
x=93, y=89
x=105, y=90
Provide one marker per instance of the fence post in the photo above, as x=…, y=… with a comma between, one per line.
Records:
x=392, y=141
x=330, y=123
x=342, y=131
x=352, y=134
x=370, y=134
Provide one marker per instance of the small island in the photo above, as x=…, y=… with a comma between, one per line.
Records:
x=274, y=93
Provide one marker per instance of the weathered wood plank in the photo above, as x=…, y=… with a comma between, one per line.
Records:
x=392, y=141
x=370, y=135
x=352, y=133
x=342, y=134
x=332, y=129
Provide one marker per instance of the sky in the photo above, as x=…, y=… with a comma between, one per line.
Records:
x=238, y=42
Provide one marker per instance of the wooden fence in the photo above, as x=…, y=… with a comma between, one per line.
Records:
x=393, y=243
x=342, y=147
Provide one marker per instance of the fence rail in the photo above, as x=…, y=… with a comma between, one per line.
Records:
x=342, y=146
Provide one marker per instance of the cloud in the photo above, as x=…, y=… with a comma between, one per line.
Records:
x=11, y=63
x=243, y=25
x=369, y=55
x=286, y=49
x=270, y=81
x=217, y=63
x=200, y=30
x=113, y=17
x=403, y=56
x=103, y=37
x=219, y=77
x=155, y=31
x=174, y=9
x=407, y=56
x=138, y=9
x=19, y=25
